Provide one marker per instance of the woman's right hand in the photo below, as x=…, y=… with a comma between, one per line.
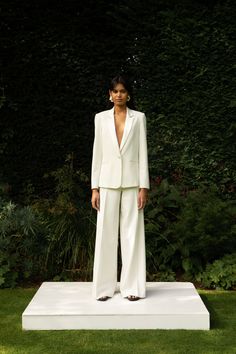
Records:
x=95, y=200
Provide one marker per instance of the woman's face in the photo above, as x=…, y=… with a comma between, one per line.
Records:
x=119, y=95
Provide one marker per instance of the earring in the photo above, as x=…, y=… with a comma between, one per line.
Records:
x=111, y=99
x=128, y=98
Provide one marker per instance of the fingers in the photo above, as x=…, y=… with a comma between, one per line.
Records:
x=96, y=203
x=95, y=206
x=142, y=198
x=141, y=203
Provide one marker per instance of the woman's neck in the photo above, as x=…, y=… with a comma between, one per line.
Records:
x=120, y=109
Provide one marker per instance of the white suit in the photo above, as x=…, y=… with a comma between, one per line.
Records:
x=119, y=172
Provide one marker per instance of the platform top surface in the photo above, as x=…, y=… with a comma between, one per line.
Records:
x=74, y=298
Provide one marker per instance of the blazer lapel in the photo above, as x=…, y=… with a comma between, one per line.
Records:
x=127, y=128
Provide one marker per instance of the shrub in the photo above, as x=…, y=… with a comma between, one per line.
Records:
x=221, y=274
x=205, y=229
x=22, y=243
x=165, y=202
x=70, y=224
x=187, y=230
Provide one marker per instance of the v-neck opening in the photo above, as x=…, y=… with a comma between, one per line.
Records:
x=123, y=129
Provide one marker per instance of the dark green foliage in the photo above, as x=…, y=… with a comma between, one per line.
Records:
x=22, y=243
x=52, y=238
x=205, y=229
x=71, y=225
x=221, y=274
x=56, y=63
x=55, y=75
x=162, y=209
x=185, y=232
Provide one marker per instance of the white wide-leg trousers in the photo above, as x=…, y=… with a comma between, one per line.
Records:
x=119, y=211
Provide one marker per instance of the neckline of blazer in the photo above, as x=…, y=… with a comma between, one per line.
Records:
x=127, y=128
x=129, y=112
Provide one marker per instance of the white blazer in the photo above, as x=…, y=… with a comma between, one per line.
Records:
x=124, y=166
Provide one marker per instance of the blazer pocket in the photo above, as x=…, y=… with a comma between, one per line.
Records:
x=133, y=161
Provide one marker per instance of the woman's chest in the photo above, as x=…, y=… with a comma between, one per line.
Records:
x=119, y=128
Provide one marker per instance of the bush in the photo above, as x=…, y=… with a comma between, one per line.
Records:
x=185, y=230
x=70, y=223
x=205, y=229
x=164, y=205
x=22, y=243
x=51, y=238
x=221, y=274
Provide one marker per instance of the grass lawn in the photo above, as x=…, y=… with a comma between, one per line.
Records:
x=220, y=339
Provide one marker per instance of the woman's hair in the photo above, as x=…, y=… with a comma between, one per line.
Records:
x=122, y=79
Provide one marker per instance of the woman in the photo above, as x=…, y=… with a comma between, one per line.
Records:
x=119, y=183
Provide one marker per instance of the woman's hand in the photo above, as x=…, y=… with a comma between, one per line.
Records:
x=95, y=200
x=142, y=197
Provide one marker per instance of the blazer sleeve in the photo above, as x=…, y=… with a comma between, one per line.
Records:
x=143, y=155
x=97, y=154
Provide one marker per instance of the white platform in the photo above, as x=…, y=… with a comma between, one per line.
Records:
x=69, y=305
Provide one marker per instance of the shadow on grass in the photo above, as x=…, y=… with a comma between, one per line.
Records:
x=214, y=318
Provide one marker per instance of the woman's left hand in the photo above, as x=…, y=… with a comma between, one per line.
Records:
x=142, y=197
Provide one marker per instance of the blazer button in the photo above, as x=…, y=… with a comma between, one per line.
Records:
x=118, y=157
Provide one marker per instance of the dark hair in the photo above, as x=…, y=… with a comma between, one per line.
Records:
x=122, y=79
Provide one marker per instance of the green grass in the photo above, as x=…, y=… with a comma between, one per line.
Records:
x=220, y=339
